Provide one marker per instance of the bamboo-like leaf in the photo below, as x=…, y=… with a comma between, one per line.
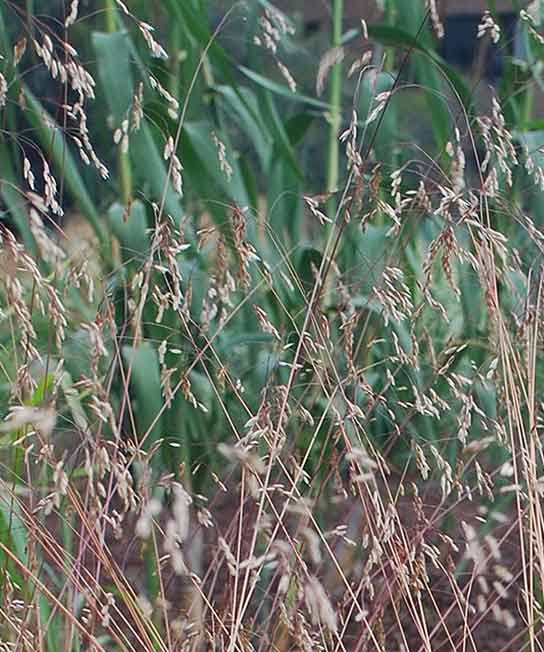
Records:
x=199, y=136
x=430, y=69
x=244, y=104
x=278, y=89
x=13, y=534
x=145, y=379
x=114, y=65
x=130, y=230
x=12, y=196
x=393, y=36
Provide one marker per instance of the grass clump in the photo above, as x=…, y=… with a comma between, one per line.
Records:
x=265, y=388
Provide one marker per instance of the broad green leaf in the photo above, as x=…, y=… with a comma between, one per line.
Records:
x=386, y=136
x=284, y=189
x=13, y=532
x=152, y=170
x=197, y=28
x=73, y=400
x=284, y=209
x=395, y=37
x=114, y=65
x=114, y=68
x=14, y=200
x=142, y=363
x=534, y=142
x=43, y=390
x=277, y=130
x=297, y=126
x=278, y=89
x=199, y=135
x=130, y=230
x=434, y=75
x=244, y=104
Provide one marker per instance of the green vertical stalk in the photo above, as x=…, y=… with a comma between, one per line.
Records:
x=335, y=99
x=110, y=17
x=30, y=17
x=125, y=172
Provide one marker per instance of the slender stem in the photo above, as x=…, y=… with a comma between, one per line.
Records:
x=30, y=17
x=111, y=25
x=335, y=99
x=126, y=177
x=125, y=171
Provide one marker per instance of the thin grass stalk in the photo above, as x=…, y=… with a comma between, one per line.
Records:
x=125, y=171
x=335, y=100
